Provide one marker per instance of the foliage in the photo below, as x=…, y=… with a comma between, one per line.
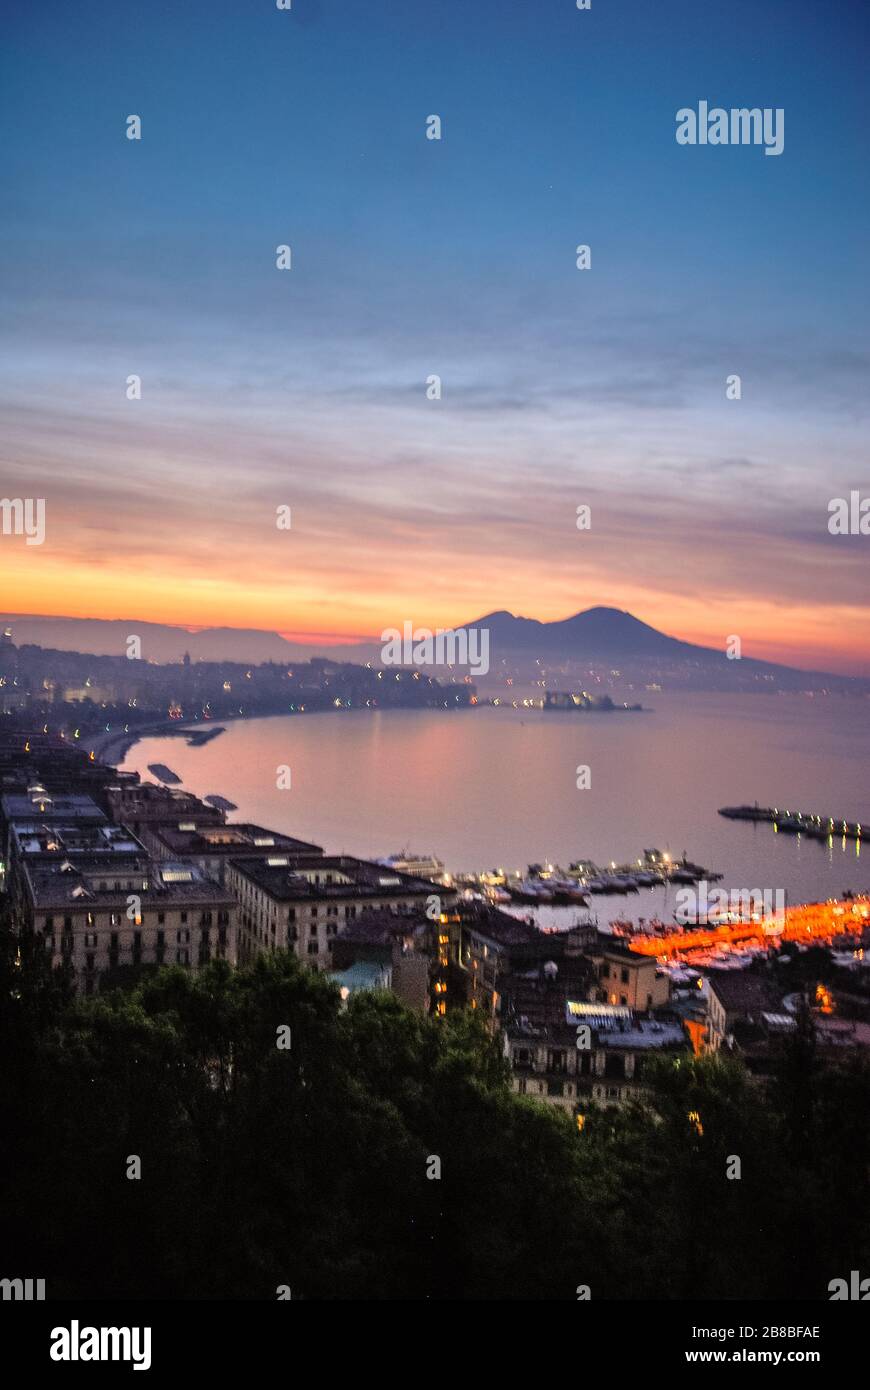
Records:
x=307, y=1166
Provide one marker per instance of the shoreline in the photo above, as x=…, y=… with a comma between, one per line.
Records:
x=112, y=749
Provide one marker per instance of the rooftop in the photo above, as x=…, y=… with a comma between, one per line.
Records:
x=35, y=837
x=742, y=991
x=36, y=801
x=91, y=880
x=186, y=837
x=288, y=878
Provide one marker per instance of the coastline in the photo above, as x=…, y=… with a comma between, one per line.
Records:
x=112, y=748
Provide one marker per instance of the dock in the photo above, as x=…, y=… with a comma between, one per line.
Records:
x=796, y=822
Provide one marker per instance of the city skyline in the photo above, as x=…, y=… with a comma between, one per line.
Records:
x=456, y=258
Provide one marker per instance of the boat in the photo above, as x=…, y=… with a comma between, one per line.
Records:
x=417, y=866
x=532, y=890
x=164, y=774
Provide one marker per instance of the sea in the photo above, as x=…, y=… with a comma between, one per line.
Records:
x=497, y=787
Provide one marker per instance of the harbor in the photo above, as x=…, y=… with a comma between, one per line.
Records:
x=550, y=884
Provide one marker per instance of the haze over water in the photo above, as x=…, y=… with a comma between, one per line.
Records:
x=493, y=787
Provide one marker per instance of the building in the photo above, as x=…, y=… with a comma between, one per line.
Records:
x=738, y=997
x=567, y=1043
x=626, y=978
x=390, y=947
x=300, y=903
x=211, y=847
x=472, y=945
x=549, y=1066
x=137, y=804
x=39, y=841
x=102, y=912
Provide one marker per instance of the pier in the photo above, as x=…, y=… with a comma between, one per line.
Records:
x=796, y=822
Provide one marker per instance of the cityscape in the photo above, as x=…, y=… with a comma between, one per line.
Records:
x=434, y=675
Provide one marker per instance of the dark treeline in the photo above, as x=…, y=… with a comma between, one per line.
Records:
x=307, y=1167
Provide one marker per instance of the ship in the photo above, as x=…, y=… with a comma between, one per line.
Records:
x=426, y=866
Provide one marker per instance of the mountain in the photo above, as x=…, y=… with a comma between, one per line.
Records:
x=594, y=633
x=609, y=636
x=599, y=637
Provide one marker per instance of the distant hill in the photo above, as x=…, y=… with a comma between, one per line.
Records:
x=594, y=637
x=160, y=641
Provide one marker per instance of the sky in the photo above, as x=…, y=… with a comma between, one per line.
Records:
x=307, y=388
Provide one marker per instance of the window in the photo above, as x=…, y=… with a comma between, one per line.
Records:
x=182, y=957
x=613, y=1093
x=49, y=923
x=184, y=917
x=624, y=975
x=89, y=962
x=291, y=914
x=555, y=1088
x=312, y=948
x=90, y=938
x=521, y=1086
x=161, y=938
x=161, y=917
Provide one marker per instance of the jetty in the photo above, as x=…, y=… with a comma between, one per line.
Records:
x=797, y=822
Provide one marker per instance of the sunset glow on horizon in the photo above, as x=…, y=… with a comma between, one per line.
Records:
x=262, y=389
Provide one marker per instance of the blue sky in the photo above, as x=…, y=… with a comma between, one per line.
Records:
x=455, y=257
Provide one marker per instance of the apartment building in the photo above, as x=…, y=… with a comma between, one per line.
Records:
x=211, y=847
x=626, y=978
x=41, y=841
x=98, y=913
x=136, y=804
x=568, y=1047
x=301, y=903
x=549, y=1066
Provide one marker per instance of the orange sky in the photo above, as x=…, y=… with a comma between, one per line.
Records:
x=820, y=636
